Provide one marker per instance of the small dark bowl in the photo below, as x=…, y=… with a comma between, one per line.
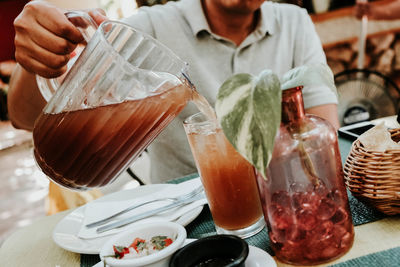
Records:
x=217, y=250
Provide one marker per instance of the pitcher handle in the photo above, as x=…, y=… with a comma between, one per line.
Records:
x=87, y=26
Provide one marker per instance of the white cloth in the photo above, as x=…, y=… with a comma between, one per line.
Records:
x=98, y=210
x=378, y=139
x=284, y=38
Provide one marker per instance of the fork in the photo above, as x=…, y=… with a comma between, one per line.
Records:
x=148, y=213
x=188, y=195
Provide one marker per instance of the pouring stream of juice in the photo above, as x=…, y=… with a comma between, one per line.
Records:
x=203, y=105
x=201, y=102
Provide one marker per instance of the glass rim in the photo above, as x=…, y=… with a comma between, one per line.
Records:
x=294, y=88
x=202, y=126
x=205, y=121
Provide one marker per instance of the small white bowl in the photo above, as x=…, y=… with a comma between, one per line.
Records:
x=145, y=231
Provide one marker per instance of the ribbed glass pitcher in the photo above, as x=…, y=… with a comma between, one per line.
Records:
x=122, y=91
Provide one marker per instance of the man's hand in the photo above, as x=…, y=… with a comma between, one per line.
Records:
x=362, y=9
x=44, y=38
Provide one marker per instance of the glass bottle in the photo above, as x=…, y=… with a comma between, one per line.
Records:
x=304, y=198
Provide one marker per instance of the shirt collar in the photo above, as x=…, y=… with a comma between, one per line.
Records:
x=268, y=22
x=198, y=22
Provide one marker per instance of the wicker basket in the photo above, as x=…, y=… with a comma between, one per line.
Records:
x=374, y=177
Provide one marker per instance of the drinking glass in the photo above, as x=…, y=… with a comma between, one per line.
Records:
x=229, y=180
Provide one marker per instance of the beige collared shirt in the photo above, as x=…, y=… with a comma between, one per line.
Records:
x=284, y=38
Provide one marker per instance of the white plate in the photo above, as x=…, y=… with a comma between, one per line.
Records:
x=65, y=232
x=257, y=257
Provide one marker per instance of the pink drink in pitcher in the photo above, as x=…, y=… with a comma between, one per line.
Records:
x=304, y=198
x=308, y=226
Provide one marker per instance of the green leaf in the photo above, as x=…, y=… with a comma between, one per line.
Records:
x=308, y=75
x=267, y=96
x=249, y=111
x=249, y=108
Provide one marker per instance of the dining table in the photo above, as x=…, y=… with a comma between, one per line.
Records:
x=376, y=242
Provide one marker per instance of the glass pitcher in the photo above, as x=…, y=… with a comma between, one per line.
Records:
x=122, y=91
x=304, y=198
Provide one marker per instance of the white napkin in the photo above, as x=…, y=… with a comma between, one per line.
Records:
x=98, y=210
x=378, y=139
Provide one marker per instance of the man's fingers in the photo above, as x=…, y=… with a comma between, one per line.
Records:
x=45, y=37
x=61, y=27
x=53, y=62
x=51, y=42
x=39, y=14
x=34, y=66
x=98, y=14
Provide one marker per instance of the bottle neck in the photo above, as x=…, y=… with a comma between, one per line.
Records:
x=292, y=105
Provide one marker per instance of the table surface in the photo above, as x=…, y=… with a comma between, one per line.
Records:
x=377, y=238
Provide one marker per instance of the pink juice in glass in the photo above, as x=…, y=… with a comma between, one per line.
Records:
x=229, y=180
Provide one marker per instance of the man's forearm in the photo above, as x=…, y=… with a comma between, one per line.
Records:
x=388, y=11
x=328, y=112
x=24, y=100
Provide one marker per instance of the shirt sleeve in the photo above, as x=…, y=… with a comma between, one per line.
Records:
x=308, y=50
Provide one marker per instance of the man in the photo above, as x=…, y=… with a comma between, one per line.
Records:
x=216, y=37
x=386, y=10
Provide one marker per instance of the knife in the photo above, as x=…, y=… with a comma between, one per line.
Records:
x=149, y=213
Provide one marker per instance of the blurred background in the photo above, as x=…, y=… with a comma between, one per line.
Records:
x=24, y=190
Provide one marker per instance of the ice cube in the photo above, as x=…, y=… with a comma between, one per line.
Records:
x=279, y=218
x=291, y=252
x=329, y=252
x=281, y=198
x=295, y=235
x=336, y=196
x=323, y=231
x=338, y=232
x=277, y=236
x=340, y=216
x=313, y=250
x=321, y=189
x=326, y=209
x=306, y=219
x=347, y=240
x=305, y=200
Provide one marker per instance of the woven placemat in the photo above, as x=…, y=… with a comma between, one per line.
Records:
x=204, y=226
x=383, y=258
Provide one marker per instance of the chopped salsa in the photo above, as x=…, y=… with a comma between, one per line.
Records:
x=140, y=247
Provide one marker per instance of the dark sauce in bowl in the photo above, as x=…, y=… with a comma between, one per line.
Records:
x=215, y=262
x=212, y=251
